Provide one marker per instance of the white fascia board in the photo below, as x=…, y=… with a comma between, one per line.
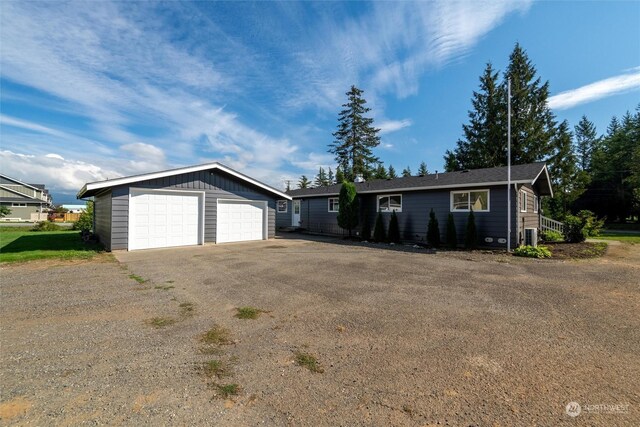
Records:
x=162, y=174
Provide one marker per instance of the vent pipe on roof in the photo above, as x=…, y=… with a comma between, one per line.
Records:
x=436, y=174
x=359, y=178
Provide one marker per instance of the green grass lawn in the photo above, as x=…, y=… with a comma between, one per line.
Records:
x=622, y=237
x=21, y=244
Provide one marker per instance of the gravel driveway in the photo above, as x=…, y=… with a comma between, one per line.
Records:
x=402, y=337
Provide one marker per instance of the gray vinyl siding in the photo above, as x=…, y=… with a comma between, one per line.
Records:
x=284, y=219
x=102, y=218
x=528, y=219
x=414, y=218
x=24, y=212
x=215, y=185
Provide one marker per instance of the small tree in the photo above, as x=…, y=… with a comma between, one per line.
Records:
x=406, y=172
x=4, y=211
x=366, y=228
x=392, y=172
x=433, y=230
x=304, y=182
x=85, y=222
x=452, y=235
x=471, y=237
x=394, y=230
x=422, y=170
x=379, y=233
x=348, y=207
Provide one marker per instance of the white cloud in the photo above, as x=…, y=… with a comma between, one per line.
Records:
x=594, y=91
x=390, y=126
x=58, y=174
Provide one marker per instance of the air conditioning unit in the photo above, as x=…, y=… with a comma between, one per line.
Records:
x=531, y=236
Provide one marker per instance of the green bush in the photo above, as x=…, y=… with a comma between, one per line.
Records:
x=471, y=237
x=578, y=227
x=379, y=233
x=394, y=230
x=46, y=226
x=532, y=251
x=366, y=228
x=452, y=234
x=433, y=230
x=591, y=224
x=348, y=207
x=85, y=222
x=551, y=236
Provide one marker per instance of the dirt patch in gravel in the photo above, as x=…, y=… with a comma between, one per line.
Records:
x=401, y=338
x=582, y=250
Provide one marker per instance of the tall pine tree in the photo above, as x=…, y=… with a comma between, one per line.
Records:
x=586, y=142
x=406, y=172
x=392, y=172
x=422, y=170
x=355, y=138
x=304, y=182
x=567, y=179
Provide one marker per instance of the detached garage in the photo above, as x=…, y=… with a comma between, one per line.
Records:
x=208, y=203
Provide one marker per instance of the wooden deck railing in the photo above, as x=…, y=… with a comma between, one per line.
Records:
x=551, y=224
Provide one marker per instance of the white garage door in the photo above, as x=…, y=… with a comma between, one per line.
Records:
x=240, y=221
x=164, y=219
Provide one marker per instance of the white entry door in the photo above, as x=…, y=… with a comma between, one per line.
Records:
x=296, y=214
x=159, y=219
x=241, y=220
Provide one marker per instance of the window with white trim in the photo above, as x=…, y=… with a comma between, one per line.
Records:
x=18, y=205
x=390, y=203
x=282, y=206
x=536, y=204
x=333, y=204
x=464, y=201
x=523, y=201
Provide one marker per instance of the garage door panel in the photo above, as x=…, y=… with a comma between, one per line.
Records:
x=239, y=221
x=164, y=219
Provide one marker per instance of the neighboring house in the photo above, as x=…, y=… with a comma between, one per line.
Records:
x=194, y=205
x=24, y=200
x=412, y=198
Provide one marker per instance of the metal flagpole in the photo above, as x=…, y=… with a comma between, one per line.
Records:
x=509, y=165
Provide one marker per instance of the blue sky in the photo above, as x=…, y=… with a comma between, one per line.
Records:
x=98, y=90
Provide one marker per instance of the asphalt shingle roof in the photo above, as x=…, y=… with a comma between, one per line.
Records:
x=519, y=173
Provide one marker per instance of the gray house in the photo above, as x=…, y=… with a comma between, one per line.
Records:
x=27, y=202
x=482, y=190
x=208, y=203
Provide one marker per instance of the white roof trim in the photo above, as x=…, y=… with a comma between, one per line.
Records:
x=431, y=187
x=546, y=171
x=17, y=181
x=154, y=175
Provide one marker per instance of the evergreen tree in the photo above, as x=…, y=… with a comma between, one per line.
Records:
x=392, y=172
x=366, y=228
x=433, y=230
x=331, y=179
x=452, y=235
x=348, y=207
x=532, y=122
x=586, y=142
x=567, y=180
x=406, y=172
x=355, y=138
x=422, y=170
x=339, y=175
x=304, y=182
x=471, y=236
x=484, y=143
x=379, y=233
x=381, y=172
x=394, y=229
x=321, y=179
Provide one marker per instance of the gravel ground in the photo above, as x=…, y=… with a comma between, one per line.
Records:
x=402, y=337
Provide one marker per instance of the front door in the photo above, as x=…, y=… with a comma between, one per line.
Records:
x=296, y=214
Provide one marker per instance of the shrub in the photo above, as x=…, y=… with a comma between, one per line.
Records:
x=433, y=230
x=578, y=227
x=394, y=230
x=366, y=228
x=348, y=207
x=379, y=233
x=551, y=236
x=452, y=235
x=46, y=226
x=471, y=237
x=85, y=222
x=591, y=223
x=532, y=252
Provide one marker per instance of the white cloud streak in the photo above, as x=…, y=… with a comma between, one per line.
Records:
x=594, y=91
x=390, y=126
